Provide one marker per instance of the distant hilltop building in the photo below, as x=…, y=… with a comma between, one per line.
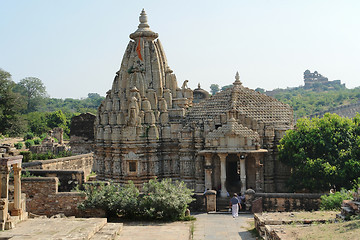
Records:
x=316, y=80
x=149, y=127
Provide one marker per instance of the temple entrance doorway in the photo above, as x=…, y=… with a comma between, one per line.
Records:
x=233, y=183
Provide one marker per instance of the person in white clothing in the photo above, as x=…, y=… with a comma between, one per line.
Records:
x=235, y=204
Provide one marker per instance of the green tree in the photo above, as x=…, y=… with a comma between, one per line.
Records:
x=56, y=119
x=214, y=88
x=38, y=122
x=11, y=104
x=34, y=92
x=226, y=87
x=322, y=153
x=260, y=90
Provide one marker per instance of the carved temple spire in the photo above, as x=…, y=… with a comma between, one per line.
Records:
x=143, y=28
x=237, y=79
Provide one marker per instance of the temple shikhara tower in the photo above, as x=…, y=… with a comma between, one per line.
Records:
x=150, y=127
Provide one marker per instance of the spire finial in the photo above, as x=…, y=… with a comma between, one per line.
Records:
x=143, y=20
x=143, y=28
x=237, y=79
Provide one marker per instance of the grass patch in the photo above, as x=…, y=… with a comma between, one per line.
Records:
x=192, y=229
x=341, y=230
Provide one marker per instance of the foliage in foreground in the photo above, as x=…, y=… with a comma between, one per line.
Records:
x=333, y=201
x=322, y=153
x=161, y=200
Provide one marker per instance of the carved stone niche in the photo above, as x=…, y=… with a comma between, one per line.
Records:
x=132, y=164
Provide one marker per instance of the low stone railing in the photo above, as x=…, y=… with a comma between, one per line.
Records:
x=78, y=162
x=285, y=202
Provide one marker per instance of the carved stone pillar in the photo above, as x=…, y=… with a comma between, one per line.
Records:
x=242, y=173
x=222, y=157
x=258, y=178
x=208, y=172
x=17, y=190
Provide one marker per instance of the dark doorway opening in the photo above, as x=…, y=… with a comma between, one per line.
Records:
x=233, y=183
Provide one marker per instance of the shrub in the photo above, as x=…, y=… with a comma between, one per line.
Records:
x=27, y=174
x=127, y=204
x=103, y=196
x=27, y=156
x=37, y=141
x=165, y=200
x=29, y=143
x=28, y=136
x=43, y=136
x=334, y=201
x=18, y=145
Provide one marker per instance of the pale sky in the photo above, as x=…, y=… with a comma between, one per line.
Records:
x=76, y=46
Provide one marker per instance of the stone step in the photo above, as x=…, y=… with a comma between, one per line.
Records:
x=86, y=228
x=346, y=210
x=222, y=204
x=109, y=232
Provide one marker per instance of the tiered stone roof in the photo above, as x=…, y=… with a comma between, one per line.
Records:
x=246, y=102
x=232, y=127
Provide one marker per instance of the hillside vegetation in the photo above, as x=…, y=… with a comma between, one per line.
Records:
x=308, y=102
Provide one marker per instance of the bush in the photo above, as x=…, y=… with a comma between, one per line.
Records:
x=334, y=201
x=27, y=156
x=37, y=141
x=165, y=200
x=28, y=136
x=127, y=204
x=43, y=136
x=109, y=197
x=29, y=143
x=18, y=145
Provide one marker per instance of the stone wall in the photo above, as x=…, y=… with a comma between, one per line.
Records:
x=82, y=133
x=43, y=198
x=79, y=162
x=68, y=179
x=286, y=202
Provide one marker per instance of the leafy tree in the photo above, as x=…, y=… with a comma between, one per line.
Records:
x=214, y=88
x=34, y=92
x=261, y=90
x=322, y=153
x=56, y=119
x=37, y=122
x=226, y=87
x=11, y=104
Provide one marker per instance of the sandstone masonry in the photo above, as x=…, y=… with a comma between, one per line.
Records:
x=149, y=127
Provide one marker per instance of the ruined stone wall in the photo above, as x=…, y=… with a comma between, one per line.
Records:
x=286, y=202
x=82, y=133
x=43, y=198
x=83, y=162
x=68, y=179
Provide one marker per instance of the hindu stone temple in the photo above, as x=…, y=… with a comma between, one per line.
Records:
x=150, y=127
